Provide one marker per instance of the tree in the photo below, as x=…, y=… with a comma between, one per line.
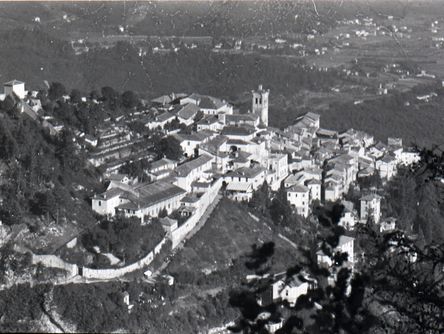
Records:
x=130, y=99
x=76, y=96
x=280, y=209
x=8, y=104
x=43, y=202
x=260, y=200
x=168, y=147
x=56, y=91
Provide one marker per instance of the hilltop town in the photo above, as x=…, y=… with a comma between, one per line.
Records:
x=187, y=152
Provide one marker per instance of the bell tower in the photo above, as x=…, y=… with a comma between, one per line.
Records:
x=259, y=105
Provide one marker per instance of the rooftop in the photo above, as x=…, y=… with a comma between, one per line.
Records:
x=186, y=168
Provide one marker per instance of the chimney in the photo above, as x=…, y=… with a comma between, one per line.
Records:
x=260, y=87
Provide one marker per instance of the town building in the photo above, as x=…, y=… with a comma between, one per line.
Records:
x=370, y=208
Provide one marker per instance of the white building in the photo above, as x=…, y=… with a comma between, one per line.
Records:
x=371, y=207
x=15, y=87
x=314, y=187
x=345, y=245
x=386, y=167
x=409, y=157
x=298, y=196
x=254, y=176
x=192, y=170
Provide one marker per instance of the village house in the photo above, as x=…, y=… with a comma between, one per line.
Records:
x=370, y=208
x=161, y=169
x=277, y=168
x=188, y=142
x=242, y=181
x=314, y=186
x=386, y=166
x=209, y=123
x=298, y=197
x=345, y=245
x=332, y=190
x=249, y=119
x=349, y=216
x=146, y=199
x=15, y=88
x=160, y=121
x=409, y=156
x=192, y=170
x=186, y=113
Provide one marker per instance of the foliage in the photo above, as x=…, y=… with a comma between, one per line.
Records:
x=56, y=91
x=168, y=147
x=136, y=169
x=280, y=209
x=260, y=200
x=130, y=99
x=39, y=171
x=126, y=238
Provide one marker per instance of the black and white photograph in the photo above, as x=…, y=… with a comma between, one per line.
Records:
x=222, y=166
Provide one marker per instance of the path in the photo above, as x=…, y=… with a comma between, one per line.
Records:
x=288, y=240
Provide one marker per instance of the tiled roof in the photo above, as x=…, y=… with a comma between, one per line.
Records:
x=187, y=167
x=188, y=111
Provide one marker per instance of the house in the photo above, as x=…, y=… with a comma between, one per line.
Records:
x=327, y=136
x=212, y=106
x=163, y=100
x=106, y=203
x=160, y=121
x=161, y=169
x=192, y=170
x=15, y=88
x=370, y=207
x=386, y=166
x=290, y=290
x=240, y=192
x=298, y=197
x=249, y=119
x=287, y=288
x=168, y=224
x=241, y=177
x=186, y=113
x=193, y=98
x=277, y=167
x=149, y=199
x=410, y=156
x=314, y=187
x=188, y=142
x=209, y=123
x=348, y=218
x=345, y=245
x=239, y=132
x=309, y=120
x=388, y=224
x=145, y=199
x=332, y=190
x=115, y=180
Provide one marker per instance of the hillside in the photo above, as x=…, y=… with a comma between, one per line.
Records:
x=46, y=183
x=226, y=239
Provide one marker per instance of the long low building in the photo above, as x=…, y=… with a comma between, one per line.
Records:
x=146, y=199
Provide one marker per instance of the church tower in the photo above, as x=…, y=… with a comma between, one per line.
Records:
x=260, y=104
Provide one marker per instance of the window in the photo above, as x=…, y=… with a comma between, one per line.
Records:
x=257, y=100
x=100, y=203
